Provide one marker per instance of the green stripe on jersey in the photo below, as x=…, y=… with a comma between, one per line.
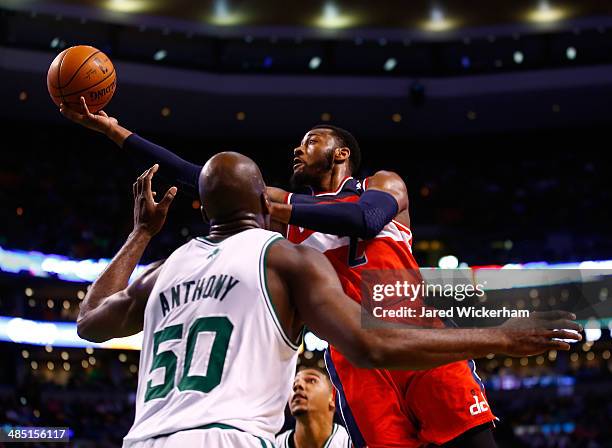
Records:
x=263, y=278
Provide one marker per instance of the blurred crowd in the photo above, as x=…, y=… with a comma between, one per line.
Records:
x=97, y=404
x=485, y=206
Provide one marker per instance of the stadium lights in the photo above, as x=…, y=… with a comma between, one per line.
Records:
x=448, y=262
x=313, y=343
x=390, y=64
x=315, y=63
x=57, y=334
x=222, y=15
x=160, y=55
x=127, y=5
x=438, y=21
x=518, y=57
x=545, y=13
x=332, y=18
x=592, y=331
x=37, y=264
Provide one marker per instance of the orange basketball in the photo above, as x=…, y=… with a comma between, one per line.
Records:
x=82, y=71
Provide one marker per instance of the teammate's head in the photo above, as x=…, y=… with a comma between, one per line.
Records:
x=312, y=393
x=323, y=149
x=231, y=189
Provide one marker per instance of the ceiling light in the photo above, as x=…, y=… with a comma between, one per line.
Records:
x=332, y=18
x=222, y=15
x=438, y=21
x=519, y=57
x=390, y=64
x=128, y=5
x=315, y=63
x=545, y=13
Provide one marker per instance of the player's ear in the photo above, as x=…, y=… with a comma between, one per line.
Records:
x=341, y=154
x=204, y=215
x=265, y=204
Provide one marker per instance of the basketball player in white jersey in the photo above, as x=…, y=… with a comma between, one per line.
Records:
x=223, y=315
x=312, y=404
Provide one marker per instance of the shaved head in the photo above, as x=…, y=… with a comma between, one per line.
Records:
x=231, y=187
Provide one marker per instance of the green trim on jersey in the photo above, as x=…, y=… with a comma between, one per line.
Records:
x=263, y=279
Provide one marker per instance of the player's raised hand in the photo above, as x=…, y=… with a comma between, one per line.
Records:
x=150, y=216
x=99, y=122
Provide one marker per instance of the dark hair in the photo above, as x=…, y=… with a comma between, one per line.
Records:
x=345, y=138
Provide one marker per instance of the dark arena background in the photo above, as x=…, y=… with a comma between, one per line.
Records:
x=496, y=114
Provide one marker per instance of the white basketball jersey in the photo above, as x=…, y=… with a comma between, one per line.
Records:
x=339, y=438
x=214, y=353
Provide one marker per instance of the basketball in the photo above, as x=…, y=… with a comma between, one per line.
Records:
x=82, y=71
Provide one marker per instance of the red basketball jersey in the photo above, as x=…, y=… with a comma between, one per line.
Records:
x=391, y=249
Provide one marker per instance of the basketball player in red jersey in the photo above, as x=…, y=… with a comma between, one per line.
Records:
x=382, y=408
x=358, y=226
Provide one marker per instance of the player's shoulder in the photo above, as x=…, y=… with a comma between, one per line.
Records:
x=383, y=177
x=285, y=250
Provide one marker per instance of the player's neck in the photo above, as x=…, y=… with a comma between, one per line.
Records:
x=220, y=230
x=332, y=180
x=312, y=430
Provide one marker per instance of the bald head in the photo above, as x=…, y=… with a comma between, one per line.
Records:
x=231, y=187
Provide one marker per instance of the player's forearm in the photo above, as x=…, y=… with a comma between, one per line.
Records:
x=118, y=134
x=116, y=275
x=364, y=218
x=418, y=349
x=172, y=168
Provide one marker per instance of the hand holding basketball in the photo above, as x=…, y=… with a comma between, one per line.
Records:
x=81, y=71
x=99, y=122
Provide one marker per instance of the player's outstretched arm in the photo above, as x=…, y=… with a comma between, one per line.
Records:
x=111, y=308
x=385, y=198
x=315, y=291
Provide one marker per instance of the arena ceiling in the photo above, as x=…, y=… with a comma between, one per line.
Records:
x=154, y=97
x=325, y=15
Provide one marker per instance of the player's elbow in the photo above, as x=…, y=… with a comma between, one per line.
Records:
x=87, y=331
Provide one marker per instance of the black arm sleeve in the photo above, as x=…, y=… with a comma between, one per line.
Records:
x=172, y=168
x=364, y=218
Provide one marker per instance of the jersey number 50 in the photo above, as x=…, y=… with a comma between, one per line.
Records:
x=220, y=326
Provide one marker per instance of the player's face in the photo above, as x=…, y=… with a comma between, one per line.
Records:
x=313, y=158
x=311, y=393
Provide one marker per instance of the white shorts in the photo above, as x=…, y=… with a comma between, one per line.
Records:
x=204, y=438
